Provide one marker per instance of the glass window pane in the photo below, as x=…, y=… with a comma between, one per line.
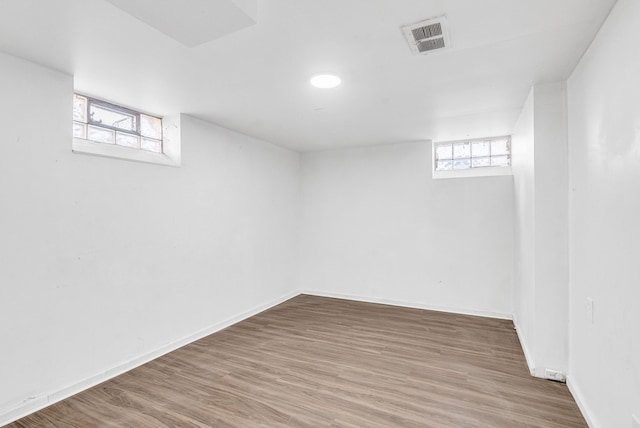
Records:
x=499, y=160
x=462, y=163
x=108, y=116
x=461, y=150
x=480, y=162
x=150, y=127
x=151, y=145
x=444, y=165
x=480, y=148
x=500, y=147
x=127, y=140
x=80, y=130
x=444, y=151
x=79, y=108
x=101, y=135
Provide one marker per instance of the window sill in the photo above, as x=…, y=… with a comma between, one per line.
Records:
x=474, y=172
x=118, y=152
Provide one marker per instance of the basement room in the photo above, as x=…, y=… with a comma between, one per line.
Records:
x=297, y=213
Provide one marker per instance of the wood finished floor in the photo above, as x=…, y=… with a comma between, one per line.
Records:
x=319, y=362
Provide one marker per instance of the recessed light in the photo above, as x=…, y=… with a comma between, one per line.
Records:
x=325, y=81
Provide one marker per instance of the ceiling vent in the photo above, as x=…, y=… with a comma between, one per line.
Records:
x=427, y=36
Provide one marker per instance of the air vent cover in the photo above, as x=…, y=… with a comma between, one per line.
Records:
x=427, y=36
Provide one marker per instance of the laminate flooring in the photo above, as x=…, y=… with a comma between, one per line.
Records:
x=320, y=362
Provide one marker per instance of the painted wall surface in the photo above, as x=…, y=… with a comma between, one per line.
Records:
x=604, y=147
x=551, y=227
x=541, y=285
x=104, y=260
x=524, y=292
x=376, y=226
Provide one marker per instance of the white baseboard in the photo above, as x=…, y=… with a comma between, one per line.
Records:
x=461, y=311
x=582, y=404
x=525, y=348
x=33, y=404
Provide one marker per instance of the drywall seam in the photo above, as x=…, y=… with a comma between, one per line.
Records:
x=33, y=404
x=461, y=311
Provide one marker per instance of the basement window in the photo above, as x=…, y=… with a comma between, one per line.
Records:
x=107, y=129
x=472, y=158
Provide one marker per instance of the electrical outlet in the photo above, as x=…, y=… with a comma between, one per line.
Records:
x=589, y=308
x=554, y=375
x=635, y=422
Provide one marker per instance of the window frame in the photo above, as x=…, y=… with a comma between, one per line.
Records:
x=116, y=108
x=170, y=145
x=483, y=171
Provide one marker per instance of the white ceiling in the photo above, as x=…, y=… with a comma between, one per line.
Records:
x=201, y=22
x=255, y=80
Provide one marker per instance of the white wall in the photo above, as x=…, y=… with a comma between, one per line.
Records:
x=104, y=261
x=523, y=166
x=604, y=147
x=376, y=226
x=551, y=227
x=541, y=285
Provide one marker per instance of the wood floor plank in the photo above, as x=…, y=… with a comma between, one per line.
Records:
x=320, y=362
